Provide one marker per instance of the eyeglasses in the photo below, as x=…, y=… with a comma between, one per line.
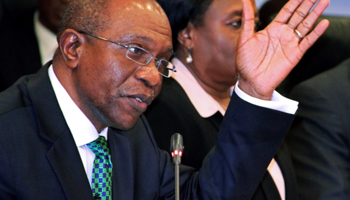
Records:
x=142, y=56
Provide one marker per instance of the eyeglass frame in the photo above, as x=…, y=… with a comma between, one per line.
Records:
x=171, y=70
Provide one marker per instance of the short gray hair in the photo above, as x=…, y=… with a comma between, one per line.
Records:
x=85, y=15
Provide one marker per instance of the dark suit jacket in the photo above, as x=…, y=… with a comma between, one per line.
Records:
x=19, y=51
x=39, y=159
x=173, y=112
x=320, y=136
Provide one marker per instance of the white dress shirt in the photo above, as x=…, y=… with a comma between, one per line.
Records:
x=82, y=129
x=47, y=41
x=207, y=106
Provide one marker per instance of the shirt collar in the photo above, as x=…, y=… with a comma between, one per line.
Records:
x=204, y=103
x=47, y=41
x=82, y=129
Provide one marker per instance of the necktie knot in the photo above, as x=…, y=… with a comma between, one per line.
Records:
x=99, y=147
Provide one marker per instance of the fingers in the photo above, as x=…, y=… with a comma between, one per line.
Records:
x=296, y=14
x=301, y=13
x=311, y=38
x=248, y=23
x=306, y=24
x=287, y=11
x=295, y=11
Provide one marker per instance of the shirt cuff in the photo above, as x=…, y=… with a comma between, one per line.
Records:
x=277, y=102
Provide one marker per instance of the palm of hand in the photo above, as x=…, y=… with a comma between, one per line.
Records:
x=265, y=58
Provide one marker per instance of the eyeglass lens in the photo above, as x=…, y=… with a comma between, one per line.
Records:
x=143, y=57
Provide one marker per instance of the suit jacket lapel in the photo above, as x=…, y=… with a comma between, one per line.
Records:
x=63, y=155
x=65, y=160
x=122, y=165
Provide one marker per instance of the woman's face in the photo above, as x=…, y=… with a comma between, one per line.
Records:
x=215, y=44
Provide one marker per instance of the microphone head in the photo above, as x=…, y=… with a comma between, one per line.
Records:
x=176, y=142
x=176, y=147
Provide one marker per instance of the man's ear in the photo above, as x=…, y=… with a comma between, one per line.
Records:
x=185, y=36
x=71, y=46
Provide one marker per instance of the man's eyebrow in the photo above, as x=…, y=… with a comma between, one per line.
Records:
x=132, y=36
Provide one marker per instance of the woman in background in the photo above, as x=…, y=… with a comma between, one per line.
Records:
x=194, y=101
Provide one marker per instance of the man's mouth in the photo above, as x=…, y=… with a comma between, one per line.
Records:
x=142, y=98
x=138, y=99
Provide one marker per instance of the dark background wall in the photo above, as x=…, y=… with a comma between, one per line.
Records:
x=15, y=8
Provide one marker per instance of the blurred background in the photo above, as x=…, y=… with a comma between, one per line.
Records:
x=336, y=8
x=332, y=47
x=14, y=8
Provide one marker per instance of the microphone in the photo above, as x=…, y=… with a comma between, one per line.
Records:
x=176, y=147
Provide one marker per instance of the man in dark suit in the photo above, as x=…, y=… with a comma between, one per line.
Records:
x=100, y=82
x=320, y=136
x=28, y=40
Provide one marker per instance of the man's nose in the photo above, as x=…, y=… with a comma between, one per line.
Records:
x=149, y=75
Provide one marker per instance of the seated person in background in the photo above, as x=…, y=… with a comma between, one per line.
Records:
x=107, y=70
x=194, y=101
x=330, y=49
x=319, y=138
x=29, y=42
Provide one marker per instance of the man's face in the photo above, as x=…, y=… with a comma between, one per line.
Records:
x=51, y=13
x=114, y=90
